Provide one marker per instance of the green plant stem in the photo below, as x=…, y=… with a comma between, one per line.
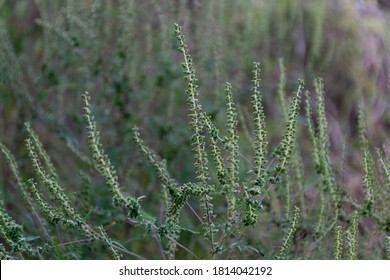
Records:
x=237, y=239
x=194, y=212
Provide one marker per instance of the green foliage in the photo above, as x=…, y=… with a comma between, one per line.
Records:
x=240, y=209
x=261, y=142
x=198, y=138
x=290, y=234
x=286, y=147
x=11, y=161
x=351, y=237
x=107, y=241
x=321, y=155
x=195, y=111
x=12, y=234
x=103, y=165
x=338, y=246
x=231, y=142
x=224, y=167
x=4, y=255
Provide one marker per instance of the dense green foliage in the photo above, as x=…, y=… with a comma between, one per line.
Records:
x=118, y=135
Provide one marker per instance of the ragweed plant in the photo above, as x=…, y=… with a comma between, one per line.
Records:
x=290, y=234
x=352, y=237
x=338, y=247
x=321, y=150
x=103, y=165
x=22, y=188
x=56, y=208
x=233, y=200
x=243, y=199
x=12, y=234
x=374, y=183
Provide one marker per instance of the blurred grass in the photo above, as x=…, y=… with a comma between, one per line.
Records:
x=124, y=54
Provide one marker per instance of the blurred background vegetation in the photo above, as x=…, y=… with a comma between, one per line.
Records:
x=124, y=53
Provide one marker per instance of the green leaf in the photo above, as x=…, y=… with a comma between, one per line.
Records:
x=189, y=230
x=118, y=244
x=57, y=250
x=31, y=238
x=264, y=191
